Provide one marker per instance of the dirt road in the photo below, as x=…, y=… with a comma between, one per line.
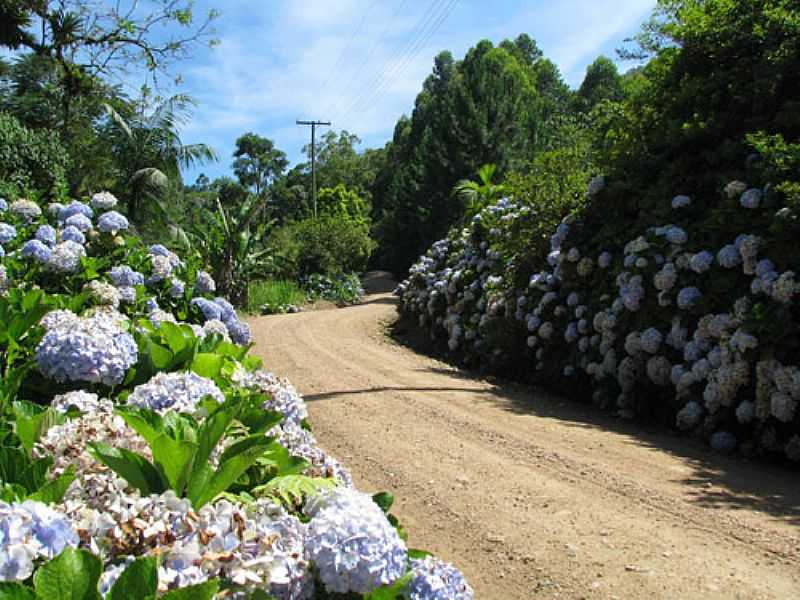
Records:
x=533, y=496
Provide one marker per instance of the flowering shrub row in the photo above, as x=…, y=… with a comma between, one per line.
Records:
x=144, y=454
x=693, y=320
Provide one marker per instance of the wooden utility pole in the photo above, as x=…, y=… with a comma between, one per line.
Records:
x=314, y=157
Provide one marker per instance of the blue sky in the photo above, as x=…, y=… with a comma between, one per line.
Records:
x=361, y=63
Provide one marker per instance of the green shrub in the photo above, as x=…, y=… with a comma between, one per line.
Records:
x=274, y=292
x=29, y=160
x=327, y=245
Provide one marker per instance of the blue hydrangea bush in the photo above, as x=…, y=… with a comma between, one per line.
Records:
x=146, y=454
x=690, y=315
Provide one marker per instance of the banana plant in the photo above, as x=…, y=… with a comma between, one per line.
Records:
x=182, y=449
x=232, y=240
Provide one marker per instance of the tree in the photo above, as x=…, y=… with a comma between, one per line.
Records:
x=88, y=39
x=344, y=204
x=149, y=152
x=485, y=109
x=257, y=162
x=602, y=82
x=30, y=90
x=29, y=160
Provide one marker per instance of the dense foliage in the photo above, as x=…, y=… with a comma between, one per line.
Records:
x=145, y=454
x=493, y=107
x=30, y=160
x=668, y=291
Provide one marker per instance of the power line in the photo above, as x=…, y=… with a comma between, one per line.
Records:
x=368, y=54
x=417, y=31
x=364, y=101
x=342, y=54
x=400, y=67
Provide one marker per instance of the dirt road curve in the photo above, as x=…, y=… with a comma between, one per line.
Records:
x=532, y=496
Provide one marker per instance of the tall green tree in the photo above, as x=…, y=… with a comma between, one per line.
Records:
x=601, y=82
x=257, y=162
x=493, y=107
x=149, y=152
x=85, y=39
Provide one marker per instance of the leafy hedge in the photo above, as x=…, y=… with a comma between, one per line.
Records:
x=686, y=312
x=145, y=454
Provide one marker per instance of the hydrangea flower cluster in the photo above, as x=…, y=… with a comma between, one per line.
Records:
x=220, y=310
x=94, y=349
x=597, y=318
x=347, y=542
x=180, y=392
x=351, y=542
x=436, y=579
x=112, y=222
x=26, y=210
x=30, y=532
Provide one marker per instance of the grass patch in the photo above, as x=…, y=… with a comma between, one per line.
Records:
x=275, y=292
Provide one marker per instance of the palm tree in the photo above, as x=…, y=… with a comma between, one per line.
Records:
x=478, y=195
x=149, y=152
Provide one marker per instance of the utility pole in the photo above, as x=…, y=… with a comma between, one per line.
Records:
x=314, y=157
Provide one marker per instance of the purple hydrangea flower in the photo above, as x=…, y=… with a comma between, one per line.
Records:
x=103, y=201
x=112, y=222
x=226, y=309
x=80, y=222
x=176, y=287
x=37, y=250
x=434, y=579
x=205, y=283
x=73, y=234
x=75, y=208
x=7, y=233
x=239, y=331
x=66, y=257
x=688, y=297
x=46, y=234
x=210, y=310
x=30, y=531
x=180, y=392
x=124, y=276
x=95, y=350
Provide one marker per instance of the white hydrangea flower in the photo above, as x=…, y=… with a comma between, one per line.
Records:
x=351, y=543
x=585, y=267
x=783, y=407
x=181, y=392
x=680, y=202
x=735, y=189
x=103, y=201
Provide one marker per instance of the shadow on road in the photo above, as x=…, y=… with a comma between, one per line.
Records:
x=379, y=389
x=717, y=481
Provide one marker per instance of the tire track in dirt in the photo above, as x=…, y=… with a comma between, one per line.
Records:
x=533, y=496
